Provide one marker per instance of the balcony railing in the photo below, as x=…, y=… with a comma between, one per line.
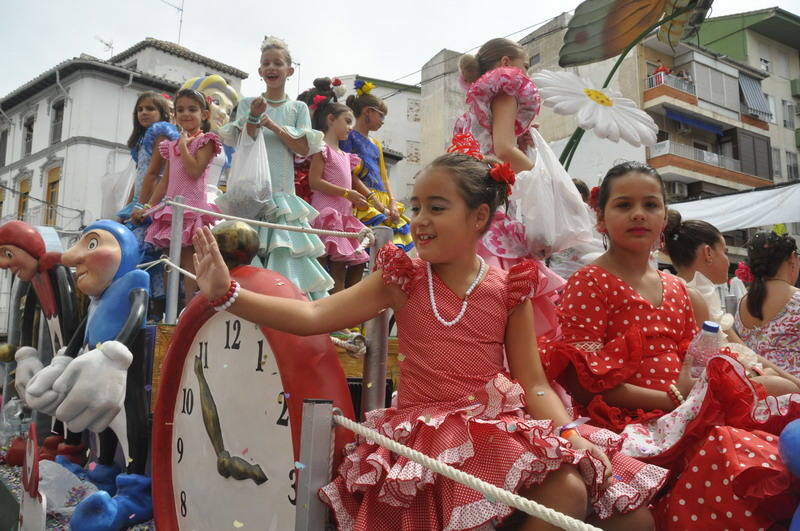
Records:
x=656, y=80
x=761, y=115
x=667, y=147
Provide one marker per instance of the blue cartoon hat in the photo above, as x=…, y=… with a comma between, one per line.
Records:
x=131, y=255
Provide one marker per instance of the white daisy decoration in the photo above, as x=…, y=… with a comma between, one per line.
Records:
x=604, y=111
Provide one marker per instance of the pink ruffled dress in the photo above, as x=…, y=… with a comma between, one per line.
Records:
x=192, y=189
x=336, y=212
x=504, y=243
x=457, y=403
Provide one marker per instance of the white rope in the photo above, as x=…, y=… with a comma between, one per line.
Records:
x=491, y=492
x=354, y=344
x=164, y=260
x=364, y=234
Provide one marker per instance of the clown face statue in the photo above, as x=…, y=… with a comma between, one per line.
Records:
x=222, y=98
x=21, y=246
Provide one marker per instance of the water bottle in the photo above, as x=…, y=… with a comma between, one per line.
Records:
x=10, y=420
x=703, y=347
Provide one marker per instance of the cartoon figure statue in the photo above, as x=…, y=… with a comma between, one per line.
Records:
x=23, y=252
x=222, y=99
x=103, y=389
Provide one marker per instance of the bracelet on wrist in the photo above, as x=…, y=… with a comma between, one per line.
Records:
x=675, y=395
x=572, y=425
x=346, y=193
x=571, y=432
x=228, y=294
x=253, y=119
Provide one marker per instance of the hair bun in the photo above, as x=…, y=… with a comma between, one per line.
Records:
x=469, y=68
x=323, y=84
x=674, y=221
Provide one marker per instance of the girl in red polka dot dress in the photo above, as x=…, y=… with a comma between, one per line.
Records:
x=625, y=330
x=473, y=393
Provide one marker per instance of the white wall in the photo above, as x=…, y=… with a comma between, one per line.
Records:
x=177, y=69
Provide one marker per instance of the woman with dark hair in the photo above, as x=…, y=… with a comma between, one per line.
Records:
x=768, y=319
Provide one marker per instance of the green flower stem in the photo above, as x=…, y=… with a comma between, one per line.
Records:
x=572, y=145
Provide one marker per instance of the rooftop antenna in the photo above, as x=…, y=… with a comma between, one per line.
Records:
x=109, y=44
x=179, y=9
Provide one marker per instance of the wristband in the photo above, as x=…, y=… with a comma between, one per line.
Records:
x=566, y=434
x=346, y=193
x=253, y=119
x=572, y=425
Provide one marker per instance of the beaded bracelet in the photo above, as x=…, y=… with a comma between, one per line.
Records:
x=221, y=300
x=253, y=119
x=675, y=395
x=231, y=299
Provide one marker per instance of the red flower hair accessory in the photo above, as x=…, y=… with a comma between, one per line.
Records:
x=744, y=273
x=318, y=99
x=166, y=96
x=503, y=173
x=336, y=82
x=594, y=197
x=465, y=144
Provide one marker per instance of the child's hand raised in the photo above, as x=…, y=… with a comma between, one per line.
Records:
x=213, y=277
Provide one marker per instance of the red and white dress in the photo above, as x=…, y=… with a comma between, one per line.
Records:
x=458, y=404
x=504, y=243
x=721, y=445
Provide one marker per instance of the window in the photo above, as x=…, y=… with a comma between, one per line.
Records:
x=413, y=110
x=791, y=166
x=27, y=136
x=56, y=119
x=788, y=114
x=22, y=202
x=51, y=195
x=776, y=163
x=536, y=59
x=771, y=102
x=765, y=64
x=3, y=147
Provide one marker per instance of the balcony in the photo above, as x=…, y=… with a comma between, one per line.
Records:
x=687, y=163
x=670, y=86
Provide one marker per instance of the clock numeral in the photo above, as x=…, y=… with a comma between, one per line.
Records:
x=293, y=484
x=203, y=356
x=236, y=328
x=283, y=420
x=259, y=366
x=183, y=503
x=188, y=401
x=180, y=449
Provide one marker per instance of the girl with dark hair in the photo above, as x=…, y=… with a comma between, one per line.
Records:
x=622, y=356
x=383, y=209
x=768, y=319
x=473, y=391
x=186, y=174
x=333, y=195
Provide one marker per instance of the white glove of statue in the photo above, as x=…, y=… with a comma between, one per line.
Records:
x=39, y=393
x=28, y=364
x=93, y=387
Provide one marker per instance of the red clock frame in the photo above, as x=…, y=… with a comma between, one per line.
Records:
x=309, y=367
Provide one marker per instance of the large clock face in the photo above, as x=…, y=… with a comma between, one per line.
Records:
x=232, y=459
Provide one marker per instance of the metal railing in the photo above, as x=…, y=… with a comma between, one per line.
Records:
x=668, y=147
x=670, y=80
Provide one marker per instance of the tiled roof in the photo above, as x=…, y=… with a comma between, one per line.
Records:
x=180, y=51
x=85, y=62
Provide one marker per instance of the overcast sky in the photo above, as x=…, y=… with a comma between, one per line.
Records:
x=378, y=38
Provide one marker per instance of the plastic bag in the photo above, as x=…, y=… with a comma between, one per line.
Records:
x=249, y=188
x=115, y=189
x=549, y=206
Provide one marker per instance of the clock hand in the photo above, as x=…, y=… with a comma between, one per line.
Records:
x=209, y=409
x=238, y=468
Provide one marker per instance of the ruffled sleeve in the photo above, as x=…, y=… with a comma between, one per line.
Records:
x=599, y=364
x=302, y=128
x=521, y=283
x=505, y=80
x=207, y=138
x=157, y=130
x=397, y=268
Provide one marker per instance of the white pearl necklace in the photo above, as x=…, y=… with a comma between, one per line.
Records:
x=466, y=294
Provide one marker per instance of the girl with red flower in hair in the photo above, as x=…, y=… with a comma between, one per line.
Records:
x=473, y=393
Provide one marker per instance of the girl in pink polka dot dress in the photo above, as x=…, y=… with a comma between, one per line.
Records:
x=622, y=355
x=460, y=324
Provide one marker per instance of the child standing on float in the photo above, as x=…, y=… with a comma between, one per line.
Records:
x=286, y=126
x=186, y=174
x=333, y=195
x=502, y=103
x=370, y=112
x=459, y=322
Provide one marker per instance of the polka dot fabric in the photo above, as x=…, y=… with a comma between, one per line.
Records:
x=611, y=334
x=720, y=445
x=458, y=403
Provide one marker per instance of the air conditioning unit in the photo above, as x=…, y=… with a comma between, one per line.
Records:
x=677, y=189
